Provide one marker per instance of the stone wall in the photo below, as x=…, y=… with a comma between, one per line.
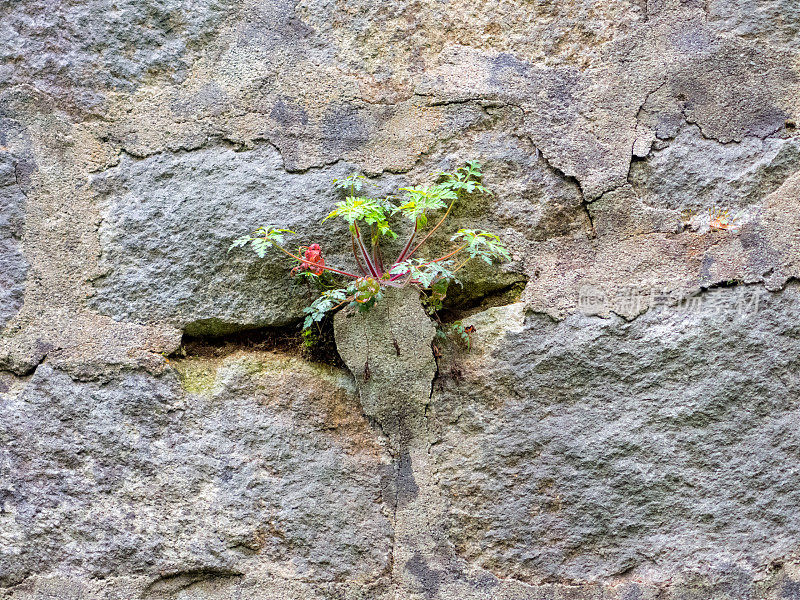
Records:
x=625, y=429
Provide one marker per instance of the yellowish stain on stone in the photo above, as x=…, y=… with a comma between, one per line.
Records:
x=205, y=375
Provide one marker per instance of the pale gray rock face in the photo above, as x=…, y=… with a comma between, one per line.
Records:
x=13, y=266
x=170, y=219
x=693, y=172
x=646, y=455
x=78, y=51
x=655, y=447
x=388, y=351
x=689, y=77
x=775, y=22
x=264, y=463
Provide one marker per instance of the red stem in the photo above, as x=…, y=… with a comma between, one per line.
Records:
x=402, y=256
x=327, y=268
x=445, y=257
x=355, y=253
x=365, y=255
x=430, y=233
x=379, y=258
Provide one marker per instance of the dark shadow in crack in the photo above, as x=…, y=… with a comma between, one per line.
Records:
x=315, y=345
x=168, y=586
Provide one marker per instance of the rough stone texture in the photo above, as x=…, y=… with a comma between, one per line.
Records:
x=181, y=213
x=667, y=450
x=169, y=221
x=620, y=433
x=773, y=22
x=693, y=172
x=388, y=350
x=85, y=49
x=13, y=266
x=251, y=463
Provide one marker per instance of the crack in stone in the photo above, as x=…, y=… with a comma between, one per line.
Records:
x=28, y=370
x=238, y=146
x=591, y=232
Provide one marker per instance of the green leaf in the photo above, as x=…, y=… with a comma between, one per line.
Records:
x=460, y=332
x=308, y=275
x=261, y=239
x=320, y=306
x=364, y=289
x=372, y=211
x=423, y=273
x=239, y=242
x=418, y=202
x=437, y=294
x=466, y=178
x=260, y=245
x=481, y=244
x=353, y=182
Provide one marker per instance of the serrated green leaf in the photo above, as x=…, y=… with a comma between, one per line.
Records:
x=320, y=307
x=417, y=202
x=372, y=211
x=423, y=273
x=355, y=182
x=481, y=244
x=239, y=242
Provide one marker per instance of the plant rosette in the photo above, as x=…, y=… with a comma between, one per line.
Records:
x=368, y=221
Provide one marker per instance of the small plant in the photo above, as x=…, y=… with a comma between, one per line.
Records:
x=368, y=220
x=457, y=331
x=719, y=219
x=722, y=220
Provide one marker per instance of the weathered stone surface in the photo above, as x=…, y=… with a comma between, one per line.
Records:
x=612, y=449
x=170, y=219
x=774, y=22
x=254, y=463
x=13, y=266
x=79, y=51
x=694, y=173
x=587, y=124
x=388, y=350
x=654, y=448
x=644, y=251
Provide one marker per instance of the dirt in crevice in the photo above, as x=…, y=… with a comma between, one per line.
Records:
x=457, y=306
x=317, y=345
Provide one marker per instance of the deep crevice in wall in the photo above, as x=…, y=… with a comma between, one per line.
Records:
x=317, y=345
x=168, y=586
x=460, y=304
